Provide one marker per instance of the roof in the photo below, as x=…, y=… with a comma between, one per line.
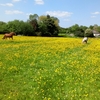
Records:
x=95, y=32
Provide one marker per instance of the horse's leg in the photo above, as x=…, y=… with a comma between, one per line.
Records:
x=12, y=37
x=3, y=37
x=9, y=38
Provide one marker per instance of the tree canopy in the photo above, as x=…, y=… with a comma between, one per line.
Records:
x=45, y=25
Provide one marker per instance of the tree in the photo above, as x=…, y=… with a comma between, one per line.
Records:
x=76, y=30
x=20, y=27
x=91, y=26
x=3, y=27
x=96, y=28
x=33, y=21
x=14, y=26
x=48, y=26
x=41, y=25
x=88, y=33
x=42, y=29
x=80, y=32
x=28, y=30
x=52, y=29
x=56, y=21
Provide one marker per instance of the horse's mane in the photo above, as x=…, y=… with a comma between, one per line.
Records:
x=12, y=33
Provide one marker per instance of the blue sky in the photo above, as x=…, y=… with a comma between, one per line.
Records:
x=69, y=12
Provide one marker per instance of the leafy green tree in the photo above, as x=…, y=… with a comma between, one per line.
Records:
x=56, y=21
x=14, y=26
x=96, y=28
x=52, y=29
x=88, y=33
x=20, y=27
x=76, y=30
x=83, y=28
x=48, y=26
x=28, y=29
x=63, y=30
x=42, y=28
x=80, y=32
x=91, y=26
x=3, y=27
x=33, y=20
x=42, y=18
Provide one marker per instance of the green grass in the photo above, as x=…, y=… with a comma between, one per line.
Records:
x=37, y=68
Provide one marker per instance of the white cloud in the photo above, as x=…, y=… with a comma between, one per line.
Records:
x=13, y=12
x=40, y=2
x=59, y=13
x=16, y=0
x=93, y=16
x=7, y=4
x=96, y=13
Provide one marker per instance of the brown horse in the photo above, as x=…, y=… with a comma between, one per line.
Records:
x=9, y=35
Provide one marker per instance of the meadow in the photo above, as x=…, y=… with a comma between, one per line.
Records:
x=45, y=68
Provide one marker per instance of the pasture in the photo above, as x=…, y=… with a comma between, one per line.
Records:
x=44, y=68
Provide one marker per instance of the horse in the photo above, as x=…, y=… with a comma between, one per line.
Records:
x=9, y=35
x=85, y=39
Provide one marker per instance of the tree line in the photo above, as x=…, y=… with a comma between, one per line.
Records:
x=45, y=26
x=80, y=31
x=34, y=26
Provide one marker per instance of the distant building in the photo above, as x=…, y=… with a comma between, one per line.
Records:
x=96, y=34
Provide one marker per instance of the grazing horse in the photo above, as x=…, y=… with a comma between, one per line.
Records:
x=85, y=39
x=9, y=35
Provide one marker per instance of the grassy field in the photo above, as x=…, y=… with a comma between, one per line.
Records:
x=43, y=68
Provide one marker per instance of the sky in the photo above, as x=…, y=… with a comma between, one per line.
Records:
x=69, y=12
